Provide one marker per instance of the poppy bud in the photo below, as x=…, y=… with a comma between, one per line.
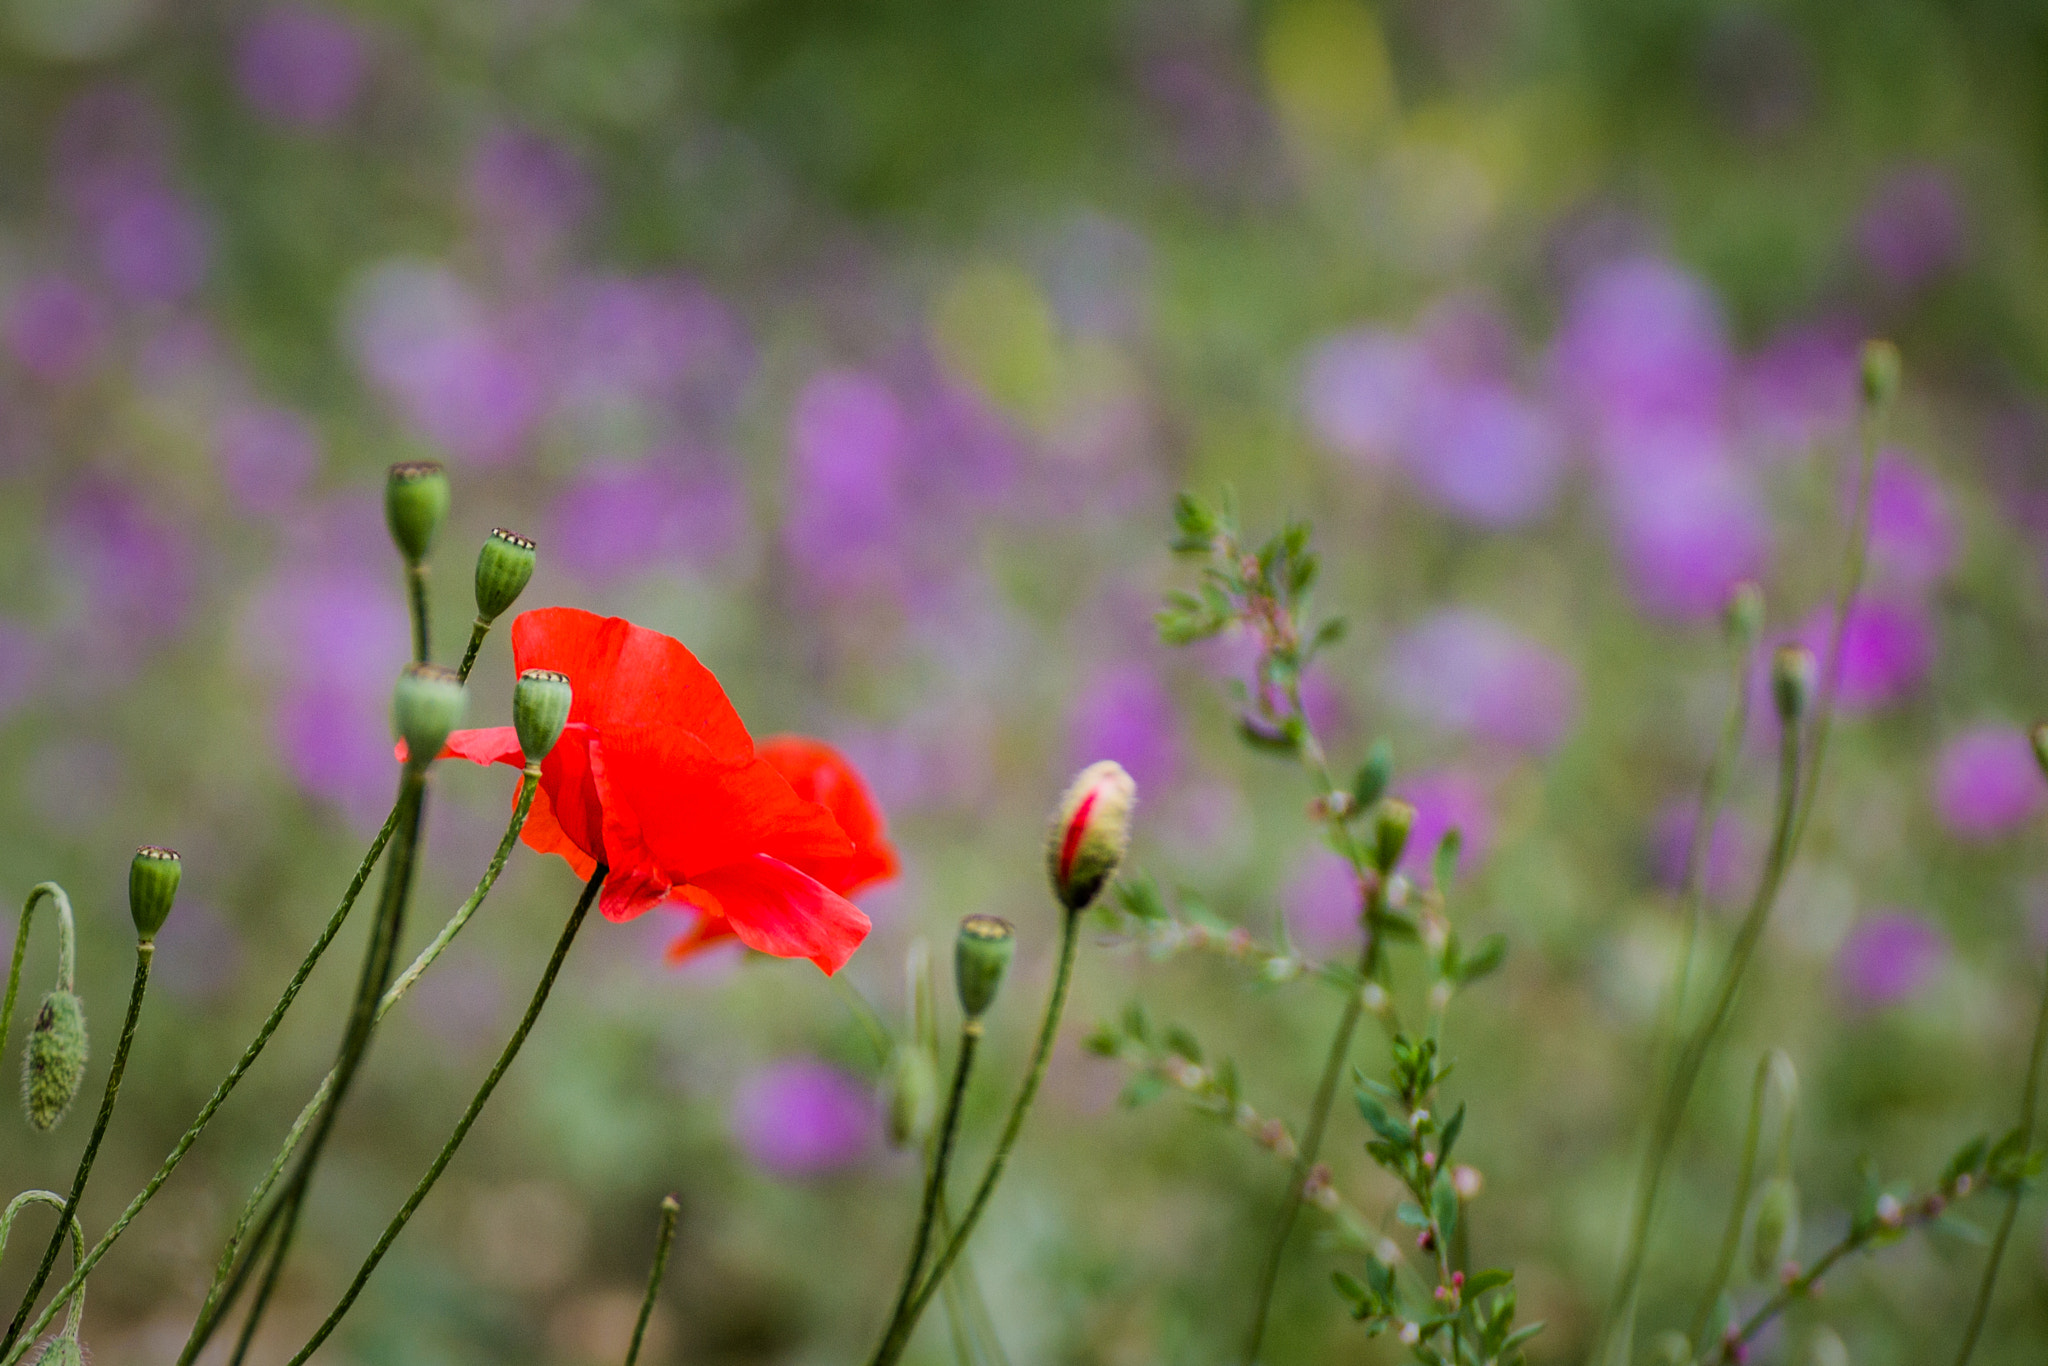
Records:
x=1775, y=1236
x=53, y=1064
x=540, y=708
x=415, y=502
x=1090, y=833
x=1792, y=675
x=1745, y=612
x=62, y=1351
x=503, y=567
x=152, y=887
x=913, y=1095
x=1390, y=834
x=980, y=956
x=1881, y=368
x=426, y=706
x=2039, y=735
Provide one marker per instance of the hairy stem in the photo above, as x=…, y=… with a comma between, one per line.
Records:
x=670, y=1208
x=67, y=948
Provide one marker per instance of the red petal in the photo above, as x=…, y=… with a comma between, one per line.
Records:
x=711, y=929
x=492, y=745
x=777, y=910
x=568, y=815
x=630, y=893
x=819, y=773
x=623, y=674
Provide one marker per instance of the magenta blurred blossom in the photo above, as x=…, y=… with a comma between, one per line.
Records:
x=24, y=655
x=1689, y=524
x=1888, y=957
x=1801, y=389
x=152, y=244
x=1987, y=782
x=1125, y=713
x=1913, y=227
x=56, y=328
x=1731, y=852
x=661, y=340
x=266, y=456
x=530, y=192
x=1913, y=537
x=132, y=573
x=301, y=66
x=617, y=519
x=848, y=446
x=73, y=784
x=1359, y=392
x=1445, y=800
x=1887, y=650
x=1482, y=453
x=802, y=1117
x=1323, y=904
x=108, y=136
x=1465, y=671
x=1642, y=347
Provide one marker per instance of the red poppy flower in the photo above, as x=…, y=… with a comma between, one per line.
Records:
x=656, y=777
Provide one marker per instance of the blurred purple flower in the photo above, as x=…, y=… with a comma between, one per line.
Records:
x=266, y=456
x=198, y=953
x=1730, y=852
x=73, y=784
x=152, y=244
x=801, y=1117
x=1913, y=227
x=336, y=742
x=1482, y=453
x=1690, y=524
x=847, y=449
x=1987, y=782
x=1642, y=347
x=56, y=328
x=530, y=193
x=300, y=66
x=1359, y=391
x=1445, y=800
x=132, y=573
x=23, y=656
x=1913, y=538
x=1125, y=713
x=108, y=136
x=1889, y=956
x=1323, y=904
x=618, y=519
x=1887, y=649
x=1465, y=671
x=656, y=340
x=1800, y=389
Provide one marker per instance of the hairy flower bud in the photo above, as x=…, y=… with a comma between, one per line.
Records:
x=53, y=1065
x=1090, y=833
x=63, y=1350
x=425, y=707
x=1881, y=369
x=152, y=887
x=415, y=503
x=540, y=708
x=1775, y=1236
x=1792, y=678
x=503, y=567
x=913, y=1095
x=1745, y=618
x=980, y=956
x=1390, y=834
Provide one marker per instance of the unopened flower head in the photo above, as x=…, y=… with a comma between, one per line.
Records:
x=1793, y=671
x=1745, y=612
x=913, y=1091
x=1775, y=1235
x=980, y=957
x=425, y=707
x=415, y=504
x=1881, y=369
x=1090, y=833
x=1390, y=834
x=53, y=1065
x=540, y=708
x=152, y=887
x=503, y=568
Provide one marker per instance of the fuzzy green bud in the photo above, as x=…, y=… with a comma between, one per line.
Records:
x=980, y=957
x=1775, y=1236
x=425, y=707
x=540, y=708
x=503, y=567
x=53, y=1064
x=1881, y=369
x=1745, y=615
x=152, y=887
x=1090, y=833
x=1390, y=834
x=63, y=1350
x=1792, y=678
x=913, y=1095
x=415, y=504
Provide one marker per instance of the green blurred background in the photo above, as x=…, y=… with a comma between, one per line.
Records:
x=861, y=345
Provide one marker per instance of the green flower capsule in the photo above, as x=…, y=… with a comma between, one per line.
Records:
x=913, y=1095
x=1881, y=372
x=503, y=567
x=152, y=887
x=1793, y=671
x=53, y=1064
x=540, y=708
x=1775, y=1236
x=425, y=707
x=1745, y=616
x=980, y=957
x=1090, y=833
x=415, y=504
x=1390, y=834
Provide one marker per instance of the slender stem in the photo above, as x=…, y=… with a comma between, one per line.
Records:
x=378, y=957
x=477, y=632
x=145, y=953
x=462, y=1127
x=2029, y=1095
x=892, y=1346
x=935, y=1181
x=670, y=1208
x=416, y=591
x=1738, y=1202
x=67, y=950
x=220, y=1093
x=529, y=784
x=74, y=1296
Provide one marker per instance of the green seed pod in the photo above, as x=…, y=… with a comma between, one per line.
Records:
x=1745, y=617
x=1091, y=831
x=913, y=1095
x=1775, y=1236
x=415, y=504
x=152, y=887
x=53, y=1065
x=1390, y=834
x=540, y=708
x=425, y=707
x=980, y=957
x=1792, y=678
x=503, y=567
x=63, y=1350
x=1881, y=369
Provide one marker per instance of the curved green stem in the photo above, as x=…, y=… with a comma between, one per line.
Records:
x=477, y=632
x=145, y=954
x=670, y=1208
x=935, y=1181
x=462, y=1127
x=67, y=949
x=2029, y=1095
x=73, y=1295
x=1048, y=1030
x=1738, y=1202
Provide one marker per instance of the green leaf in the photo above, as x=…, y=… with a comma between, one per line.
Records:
x=1136, y=1025
x=1104, y=1042
x=1141, y=898
x=1410, y=1213
x=1520, y=1336
x=1482, y=1281
x=1142, y=1089
x=1383, y=1124
x=1370, y=783
x=1444, y=866
x=1443, y=1204
x=1968, y=1158
x=1179, y=1040
x=1454, y=1126
x=1484, y=960
x=1283, y=739
x=1381, y=1276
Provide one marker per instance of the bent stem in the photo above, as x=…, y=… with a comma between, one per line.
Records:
x=67, y=948
x=462, y=1127
x=1048, y=1030
x=935, y=1182
x=670, y=1208
x=1738, y=1202
x=2029, y=1093
x=145, y=953
x=73, y=1295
